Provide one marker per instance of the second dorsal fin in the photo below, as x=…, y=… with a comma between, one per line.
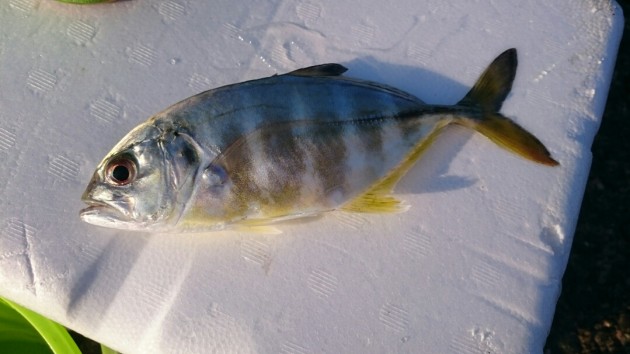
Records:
x=330, y=69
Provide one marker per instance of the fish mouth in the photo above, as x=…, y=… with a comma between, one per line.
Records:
x=102, y=214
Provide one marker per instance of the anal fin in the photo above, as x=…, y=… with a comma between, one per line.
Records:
x=378, y=199
x=375, y=203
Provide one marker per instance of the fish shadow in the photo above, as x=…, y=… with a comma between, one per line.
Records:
x=430, y=174
x=429, y=86
x=89, y=298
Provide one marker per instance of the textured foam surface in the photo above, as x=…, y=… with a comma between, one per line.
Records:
x=474, y=266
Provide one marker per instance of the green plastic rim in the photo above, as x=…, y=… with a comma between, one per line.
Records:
x=24, y=331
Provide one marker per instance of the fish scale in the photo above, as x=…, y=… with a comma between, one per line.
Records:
x=287, y=146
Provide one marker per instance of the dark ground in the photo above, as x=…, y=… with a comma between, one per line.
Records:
x=593, y=312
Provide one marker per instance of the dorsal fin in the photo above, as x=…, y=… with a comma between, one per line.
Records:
x=330, y=69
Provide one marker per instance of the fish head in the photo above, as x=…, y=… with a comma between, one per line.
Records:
x=143, y=183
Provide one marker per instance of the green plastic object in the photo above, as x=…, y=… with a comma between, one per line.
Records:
x=24, y=331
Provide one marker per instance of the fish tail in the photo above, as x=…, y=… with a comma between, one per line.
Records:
x=485, y=99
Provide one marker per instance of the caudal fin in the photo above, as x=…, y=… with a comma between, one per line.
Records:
x=512, y=137
x=485, y=99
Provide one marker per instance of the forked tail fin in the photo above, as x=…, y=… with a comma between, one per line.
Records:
x=485, y=99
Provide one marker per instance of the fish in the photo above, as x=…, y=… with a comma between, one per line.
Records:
x=248, y=155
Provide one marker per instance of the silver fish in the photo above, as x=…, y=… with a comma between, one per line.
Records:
x=287, y=146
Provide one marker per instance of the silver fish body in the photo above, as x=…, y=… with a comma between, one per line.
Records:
x=286, y=146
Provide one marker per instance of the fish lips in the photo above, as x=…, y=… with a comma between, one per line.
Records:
x=103, y=214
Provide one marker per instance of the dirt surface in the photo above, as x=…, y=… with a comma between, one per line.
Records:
x=593, y=312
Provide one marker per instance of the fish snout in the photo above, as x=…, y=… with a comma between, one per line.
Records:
x=88, y=194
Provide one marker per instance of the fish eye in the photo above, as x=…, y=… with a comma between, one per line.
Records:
x=121, y=171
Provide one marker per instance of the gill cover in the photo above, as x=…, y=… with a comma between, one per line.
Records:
x=182, y=159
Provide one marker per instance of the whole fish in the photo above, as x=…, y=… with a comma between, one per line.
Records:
x=287, y=146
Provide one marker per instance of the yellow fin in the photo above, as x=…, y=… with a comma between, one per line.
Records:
x=374, y=203
x=377, y=198
x=494, y=84
x=486, y=97
x=512, y=137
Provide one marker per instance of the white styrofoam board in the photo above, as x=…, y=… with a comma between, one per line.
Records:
x=474, y=265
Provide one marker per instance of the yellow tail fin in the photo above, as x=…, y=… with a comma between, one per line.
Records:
x=512, y=137
x=485, y=99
